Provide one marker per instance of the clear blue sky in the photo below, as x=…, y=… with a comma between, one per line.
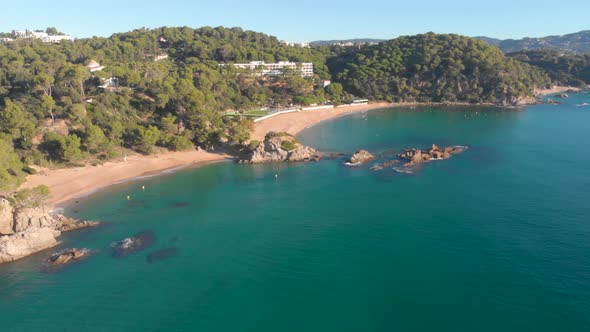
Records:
x=307, y=20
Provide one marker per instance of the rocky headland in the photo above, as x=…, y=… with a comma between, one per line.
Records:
x=25, y=231
x=279, y=147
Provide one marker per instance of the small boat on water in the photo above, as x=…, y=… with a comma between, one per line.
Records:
x=582, y=104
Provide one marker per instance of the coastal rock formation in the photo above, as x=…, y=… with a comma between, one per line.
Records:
x=360, y=157
x=68, y=256
x=19, y=245
x=24, y=231
x=280, y=147
x=6, y=217
x=416, y=156
x=132, y=244
x=31, y=218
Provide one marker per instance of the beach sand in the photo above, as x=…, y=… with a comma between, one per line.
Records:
x=295, y=122
x=66, y=184
x=556, y=89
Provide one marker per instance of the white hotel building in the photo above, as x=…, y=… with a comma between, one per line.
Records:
x=270, y=69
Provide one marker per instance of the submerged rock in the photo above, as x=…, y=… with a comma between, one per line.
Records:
x=68, y=256
x=161, y=254
x=280, y=147
x=127, y=246
x=359, y=158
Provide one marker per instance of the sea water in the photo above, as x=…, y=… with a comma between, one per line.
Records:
x=495, y=239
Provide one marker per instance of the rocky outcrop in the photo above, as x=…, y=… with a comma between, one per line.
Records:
x=31, y=218
x=280, y=147
x=19, y=245
x=359, y=158
x=132, y=244
x=24, y=231
x=68, y=256
x=6, y=217
x=416, y=156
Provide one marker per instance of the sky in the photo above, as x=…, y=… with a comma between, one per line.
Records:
x=306, y=20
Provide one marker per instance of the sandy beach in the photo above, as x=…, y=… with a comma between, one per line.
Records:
x=556, y=89
x=295, y=122
x=69, y=183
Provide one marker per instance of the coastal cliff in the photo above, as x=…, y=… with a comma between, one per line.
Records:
x=280, y=147
x=25, y=231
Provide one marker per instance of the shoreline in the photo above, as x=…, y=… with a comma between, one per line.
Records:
x=68, y=184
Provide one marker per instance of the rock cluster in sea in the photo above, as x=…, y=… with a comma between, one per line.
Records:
x=280, y=147
x=413, y=157
x=360, y=157
x=25, y=231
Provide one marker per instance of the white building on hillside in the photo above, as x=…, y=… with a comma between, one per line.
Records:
x=272, y=69
x=43, y=36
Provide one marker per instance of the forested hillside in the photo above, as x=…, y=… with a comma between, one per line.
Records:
x=436, y=68
x=164, y=87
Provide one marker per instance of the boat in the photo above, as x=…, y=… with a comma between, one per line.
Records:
x=582, y=104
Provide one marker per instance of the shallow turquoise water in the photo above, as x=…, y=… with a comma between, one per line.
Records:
x=495, y=239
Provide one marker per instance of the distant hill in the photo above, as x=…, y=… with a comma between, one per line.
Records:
x=578, y=42
x=436, y=68
x=564, y=69
x=344, y=41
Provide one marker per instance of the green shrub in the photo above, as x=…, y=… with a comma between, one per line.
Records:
x=288, y=145
x=254, y=144
x=29, y=170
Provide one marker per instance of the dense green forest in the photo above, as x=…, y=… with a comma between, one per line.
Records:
x=436, y=68
x=563, y=68
x=53, y=110
x=169, y=88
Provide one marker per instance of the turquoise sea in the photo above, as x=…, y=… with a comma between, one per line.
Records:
x=495, y=239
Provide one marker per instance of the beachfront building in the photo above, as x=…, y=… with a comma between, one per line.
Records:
x=93, y=66
x=273, y=69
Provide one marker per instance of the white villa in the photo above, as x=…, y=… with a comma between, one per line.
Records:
x=272, y=69
x=43, y=36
